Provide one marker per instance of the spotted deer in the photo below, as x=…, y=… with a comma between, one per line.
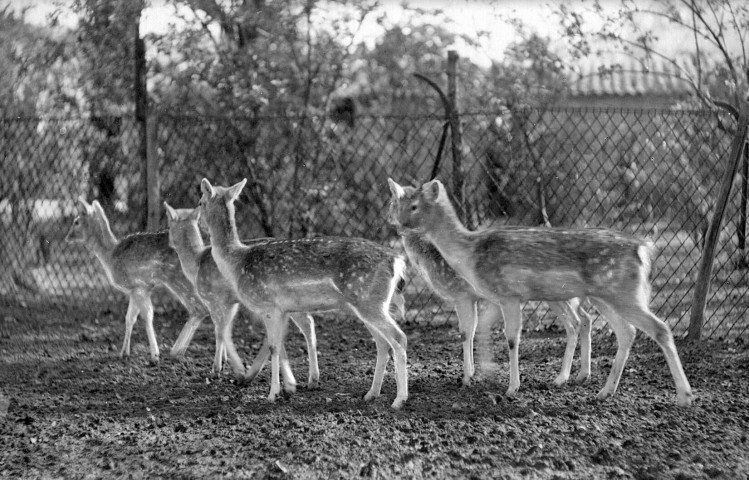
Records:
x=200, y=268
x=136, y=265
x=275, y=278
x=510, y=265
x=454, y=289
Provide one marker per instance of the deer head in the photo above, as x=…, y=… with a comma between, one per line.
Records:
x=416, y=209
x=88, y=223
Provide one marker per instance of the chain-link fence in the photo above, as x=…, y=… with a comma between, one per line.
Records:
x=650, y=172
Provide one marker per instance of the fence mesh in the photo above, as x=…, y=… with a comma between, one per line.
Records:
x=649, y=172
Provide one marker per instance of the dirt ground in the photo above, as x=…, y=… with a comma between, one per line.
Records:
x=69, y=407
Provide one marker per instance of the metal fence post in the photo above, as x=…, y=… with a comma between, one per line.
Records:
x=713, y=232
x=742, y=208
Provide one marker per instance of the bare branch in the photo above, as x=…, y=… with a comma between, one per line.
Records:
x=718, y=39
x=697, y=48
x=677, y=21
x=308, y=86
x=739, y=33
x=431, y=83
x=718, y=21
x=728, y=107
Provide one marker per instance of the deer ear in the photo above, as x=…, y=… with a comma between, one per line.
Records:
x=85, y=207
x=207, y=188
x=195, y=214
x=171, y=214
x=395, y=189
x=432, y=189
x=236, y=189
x=96, y=206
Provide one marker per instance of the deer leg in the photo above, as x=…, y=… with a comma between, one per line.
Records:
x=306, y=325
x=228, y=350
x=130, y=318
x=146, y=309
x=398, y=342
x=513, y=326
x=625, y=337
x=383, y=356
x=565, y=311
x=188, y=331
x=466, y=310
x=376, y=318
x=585, y=328
x=289, y=382
x=274, y=326
x=218, y=356
x=641, y=316
x=486, y=320
x=185, y=293
x=259, y=362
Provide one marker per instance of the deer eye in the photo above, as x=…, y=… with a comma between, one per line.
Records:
x=414, y=207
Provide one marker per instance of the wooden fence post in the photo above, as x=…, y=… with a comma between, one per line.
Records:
x=153, y=181
x=702, y=286
x=445, y=128
x=456, y=135
x=140, y=95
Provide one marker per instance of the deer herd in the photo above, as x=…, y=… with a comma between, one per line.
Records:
x=485, y=275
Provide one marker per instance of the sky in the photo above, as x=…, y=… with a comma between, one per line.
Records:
x=468, y=16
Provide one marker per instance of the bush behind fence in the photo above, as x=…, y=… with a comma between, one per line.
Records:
x=649, y=172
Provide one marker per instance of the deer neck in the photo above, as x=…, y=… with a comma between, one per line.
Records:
x=414, y=242
x=103, y=243
x=453, y=240
x=224, y=241
x=189, y=246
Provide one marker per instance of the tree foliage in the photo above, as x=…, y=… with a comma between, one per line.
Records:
x=39, y=69
x=265, y=57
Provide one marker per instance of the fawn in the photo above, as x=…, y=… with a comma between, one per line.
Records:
x=453, y=288
x=215, y=291
x=306, y=275
x=510, y=265
x=136, y=265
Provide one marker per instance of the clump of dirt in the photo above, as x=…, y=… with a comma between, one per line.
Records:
x=69, y=407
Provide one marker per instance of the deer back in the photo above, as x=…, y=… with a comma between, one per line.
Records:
x=558, y=264
x=316, y=274
x=145, y=260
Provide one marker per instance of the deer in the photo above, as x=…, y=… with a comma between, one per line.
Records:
x=136, y=265
x=507, y=266
x=455, y=290
x=217, y=294
x=275, y=278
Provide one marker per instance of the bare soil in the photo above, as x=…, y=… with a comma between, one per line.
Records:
x=69, y=407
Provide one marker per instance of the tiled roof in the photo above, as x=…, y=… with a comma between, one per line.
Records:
x=630, y=77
